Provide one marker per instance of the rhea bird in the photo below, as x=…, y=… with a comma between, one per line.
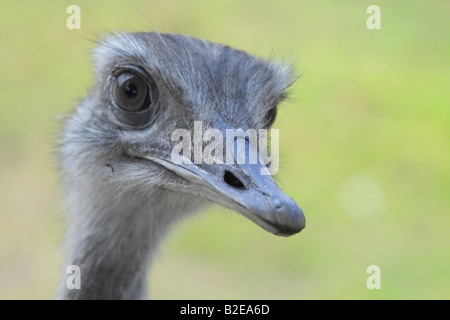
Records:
x=122, y=188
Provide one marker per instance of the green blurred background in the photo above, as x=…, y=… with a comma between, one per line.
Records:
x=364, y=148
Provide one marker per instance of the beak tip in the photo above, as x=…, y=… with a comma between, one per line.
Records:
x=290, y=218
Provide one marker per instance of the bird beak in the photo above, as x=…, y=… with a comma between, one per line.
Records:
x=243, y=188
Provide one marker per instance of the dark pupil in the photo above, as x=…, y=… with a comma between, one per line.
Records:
x=130, y=89
x=131, y=92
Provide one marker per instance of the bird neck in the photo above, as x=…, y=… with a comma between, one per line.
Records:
x=112, y=240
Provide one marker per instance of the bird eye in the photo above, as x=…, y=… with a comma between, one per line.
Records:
x=134, y=97
x=131, y=92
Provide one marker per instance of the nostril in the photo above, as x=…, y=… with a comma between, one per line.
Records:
x=232, y=180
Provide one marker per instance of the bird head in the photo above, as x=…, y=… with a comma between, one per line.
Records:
x=167, y=111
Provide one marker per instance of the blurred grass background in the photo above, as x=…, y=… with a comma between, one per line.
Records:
x=364, y=146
